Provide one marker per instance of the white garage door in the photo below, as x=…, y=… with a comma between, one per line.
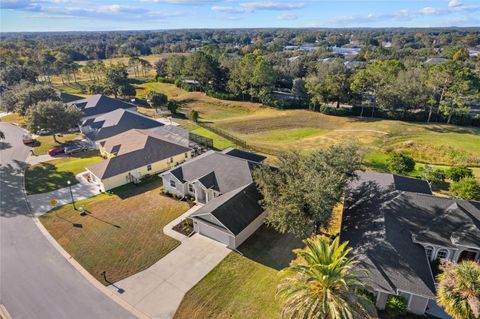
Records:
x=213, y=233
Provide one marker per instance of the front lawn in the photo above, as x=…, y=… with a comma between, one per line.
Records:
x=122, y=232
x=13, y=118
x=55, y=174
x=44, y=143
x=243, y=286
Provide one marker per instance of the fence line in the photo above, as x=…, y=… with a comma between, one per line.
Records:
x=237, y=141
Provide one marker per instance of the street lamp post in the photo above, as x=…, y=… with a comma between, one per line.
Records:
x=71, y=194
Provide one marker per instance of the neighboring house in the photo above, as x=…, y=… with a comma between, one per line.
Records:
x=68, y=98
x=132, y=155
x=99, y=104
x=398, y=230
x=222, y=182
x=436, y=60
x=115, y=122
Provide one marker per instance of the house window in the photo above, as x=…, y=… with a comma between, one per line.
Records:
x=190, y=188
x=442, y=254
x=429, y=251
x=172, y=183
x=149, y=167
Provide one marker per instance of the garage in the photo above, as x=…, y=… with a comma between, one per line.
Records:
x=212, y=231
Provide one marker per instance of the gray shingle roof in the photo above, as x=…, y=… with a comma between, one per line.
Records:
x=68, y=98
x=99, y=104
x=230, y=172
x=236, y=209
x=383, y=216
x=116, y=122
x=249, y=156
x=141, y=148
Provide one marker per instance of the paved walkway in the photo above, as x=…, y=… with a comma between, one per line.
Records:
x=40, y=203
x=158, y=290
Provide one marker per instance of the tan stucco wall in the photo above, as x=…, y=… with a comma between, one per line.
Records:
x=157, y=167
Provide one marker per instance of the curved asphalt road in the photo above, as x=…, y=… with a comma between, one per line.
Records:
x=35, y=280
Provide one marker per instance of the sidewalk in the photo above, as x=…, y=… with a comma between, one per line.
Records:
x=40, y=203
x=159, y=290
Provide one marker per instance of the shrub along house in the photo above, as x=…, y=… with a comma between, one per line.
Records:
x=113, y=123
x=222, y=183
x=400, y=231
x=132, y=155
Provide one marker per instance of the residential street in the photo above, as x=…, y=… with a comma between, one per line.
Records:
x=36, y=281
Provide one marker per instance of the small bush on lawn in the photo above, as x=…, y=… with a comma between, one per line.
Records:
x=433, y=176
x=400, y=163
x=456, y=173
x=466, y=188
x=396, y=306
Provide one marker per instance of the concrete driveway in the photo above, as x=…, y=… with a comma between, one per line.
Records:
x=158, y=290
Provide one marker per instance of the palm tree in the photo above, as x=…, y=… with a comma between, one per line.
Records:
x=320, y=283
x=459, y=289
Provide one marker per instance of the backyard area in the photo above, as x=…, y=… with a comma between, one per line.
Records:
x=281, y=130
x=120, y=241
x=55, y=174
x=242, y=286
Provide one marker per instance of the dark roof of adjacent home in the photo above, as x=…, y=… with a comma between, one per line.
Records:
x=67, y=97
x=249, y=156
x=116, y=122
x=134, y=149
x=236, y=209
x=384, y=218
x=229, y=172
x=100, y=104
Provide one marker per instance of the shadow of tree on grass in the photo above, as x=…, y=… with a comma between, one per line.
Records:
x=45, y=177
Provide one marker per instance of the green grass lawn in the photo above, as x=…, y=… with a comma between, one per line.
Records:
x=285, y=136
x=120, y=241
x=52, y=175
x=219, y=142
x=44, y=143
x=242, y=286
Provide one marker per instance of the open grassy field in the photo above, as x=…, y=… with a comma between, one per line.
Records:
x=52, y=175
x=44, y=143
x=282, y=130
x=242, y=286
x=120, y=241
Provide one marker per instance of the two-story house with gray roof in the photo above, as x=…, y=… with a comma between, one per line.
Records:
x=398, y=230
x=222, y=183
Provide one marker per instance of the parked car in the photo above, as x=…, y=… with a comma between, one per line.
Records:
x=73, y=130
x=43, y=132
x=57, y=150
x=75, y=148
x=27, y=139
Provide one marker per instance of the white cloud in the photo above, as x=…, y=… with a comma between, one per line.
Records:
x=251, y=7
x=288, y=16
x=229, y=9
x=270, y=5
x=429, y=10
x=454, y=3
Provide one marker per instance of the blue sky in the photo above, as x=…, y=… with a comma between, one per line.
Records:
x=91, y=15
